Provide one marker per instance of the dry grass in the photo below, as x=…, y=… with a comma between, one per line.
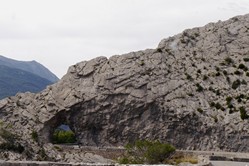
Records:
x=180, y=158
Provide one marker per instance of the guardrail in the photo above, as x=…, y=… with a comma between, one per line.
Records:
x=47, y=163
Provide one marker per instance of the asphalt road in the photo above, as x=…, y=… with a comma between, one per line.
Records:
x=228, y=163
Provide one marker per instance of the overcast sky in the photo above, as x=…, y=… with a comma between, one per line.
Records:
x=60, y=33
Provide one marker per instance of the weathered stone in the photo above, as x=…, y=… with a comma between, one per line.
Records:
x=176, y=93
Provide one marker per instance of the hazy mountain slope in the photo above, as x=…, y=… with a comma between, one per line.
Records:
x=191, y=91
x=14, y=80
x=29, y=66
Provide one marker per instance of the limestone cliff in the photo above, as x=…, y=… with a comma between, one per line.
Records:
x=191, y=91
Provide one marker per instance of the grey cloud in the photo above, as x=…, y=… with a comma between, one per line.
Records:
x=80, y=29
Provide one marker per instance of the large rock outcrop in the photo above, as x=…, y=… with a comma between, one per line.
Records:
x=191, y=91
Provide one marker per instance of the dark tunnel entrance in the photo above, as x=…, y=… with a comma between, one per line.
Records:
x=59, y=129
x=73, y=126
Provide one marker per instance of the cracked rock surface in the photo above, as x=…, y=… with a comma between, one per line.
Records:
x=191, y=91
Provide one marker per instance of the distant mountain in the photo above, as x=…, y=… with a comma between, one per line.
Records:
x=14, y=80
x=29, y=66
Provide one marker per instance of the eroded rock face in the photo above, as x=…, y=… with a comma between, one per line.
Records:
x=189, y=91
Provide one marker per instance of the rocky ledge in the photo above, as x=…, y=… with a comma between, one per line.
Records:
x=191, y=91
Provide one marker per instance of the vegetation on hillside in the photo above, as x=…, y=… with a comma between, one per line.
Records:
x=146, y=152
x=10, y=141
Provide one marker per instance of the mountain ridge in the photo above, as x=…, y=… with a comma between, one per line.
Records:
x=23, y=76
x=13, y=81
x=190, y=91
x=29, y=66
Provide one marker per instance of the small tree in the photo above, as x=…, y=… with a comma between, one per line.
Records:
x=147, y=152
x=62, y=136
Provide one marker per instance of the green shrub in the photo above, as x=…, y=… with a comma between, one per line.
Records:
x=159, y=50
x=231, y=111
x=190, y=94
x=199, y=88
x=212, y=104
x=225, y=72
x=222, y=63
x=125, y=160
x=228, y=60
x=158, y=152
x=217, y=74
x=34, y=136
x=7, y=135
x=218, y=106
x=142, y=63
x=237, y=72
x=205, y=77
x=200, y=110
x=230, y=105
x=210, y=88
x=188, y=76
x=243, y=114
x=244, y=82
x=10, y=143
x=236, y=84
x=217, y=92
x=215, y=118
x=228, y=79
x=246, y=59
x=217, y=68
x=62, y=136
x=146, y=152
x=241, y=66
x=229, y=99
x=241, y=96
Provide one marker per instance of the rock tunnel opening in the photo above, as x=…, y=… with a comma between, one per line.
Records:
x=59, y=129
x=72, y=126
x=107, y=125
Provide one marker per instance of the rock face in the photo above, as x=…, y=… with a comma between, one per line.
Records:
x=191, y=91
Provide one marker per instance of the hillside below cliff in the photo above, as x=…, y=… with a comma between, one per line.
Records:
x=190, y=91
